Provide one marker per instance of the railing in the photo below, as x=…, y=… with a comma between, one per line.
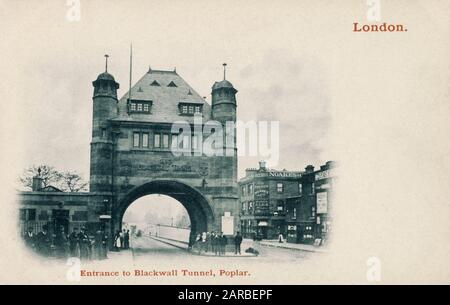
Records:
x=174, y=233
x=36, y=225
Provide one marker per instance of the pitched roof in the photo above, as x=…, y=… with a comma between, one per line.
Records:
x=50, y=188
x=165, y=98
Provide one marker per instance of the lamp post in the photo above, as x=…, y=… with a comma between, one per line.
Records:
x=105, y=218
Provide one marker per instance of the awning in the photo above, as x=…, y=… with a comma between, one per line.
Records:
x=263, y=224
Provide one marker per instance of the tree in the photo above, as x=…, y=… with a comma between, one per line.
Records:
x=48, y=174
x=71, y=181
x=68, y=181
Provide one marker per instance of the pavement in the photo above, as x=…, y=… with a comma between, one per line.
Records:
x=184, y=246
x=291, y=246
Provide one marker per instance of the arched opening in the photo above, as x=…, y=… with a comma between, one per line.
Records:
x=200, y=214
x=154, y=217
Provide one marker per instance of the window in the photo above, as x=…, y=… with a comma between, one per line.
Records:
x=250, y=205
x=244, y=190
x=244, y=206
x=300, y=188
x=157, y=140
x=31, y=214
x=280, y=206
x=136, y=139
x=280, y=187
x=154, y=83
x=313, y=211
x=27, y=214
x=294, y=213
x=145, y=140
x=103, y=133
x=171, y=84
x=140, y=106
x=189, y=108
x=165, y=141
x=250, y=189
x=312, y=188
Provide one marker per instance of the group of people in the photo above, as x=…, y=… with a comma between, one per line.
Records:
x=216, y=242
x=60, y=245
x=122, y=240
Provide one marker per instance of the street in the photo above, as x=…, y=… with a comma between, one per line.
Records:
x=147, y=248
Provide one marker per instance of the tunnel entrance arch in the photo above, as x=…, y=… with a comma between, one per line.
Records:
x=197, y=206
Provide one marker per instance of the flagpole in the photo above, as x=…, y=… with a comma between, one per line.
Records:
x=131, y=69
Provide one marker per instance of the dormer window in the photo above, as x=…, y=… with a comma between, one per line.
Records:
x=138, y=106
x=155, y=83
x=172, y=84
x=190, y=108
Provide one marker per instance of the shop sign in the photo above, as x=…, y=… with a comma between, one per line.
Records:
x=322, y=202
x=324, y=174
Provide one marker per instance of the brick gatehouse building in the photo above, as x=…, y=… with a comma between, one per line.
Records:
x=130, y=157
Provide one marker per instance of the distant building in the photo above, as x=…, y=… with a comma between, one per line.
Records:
x=308, y=215
x=263, y=193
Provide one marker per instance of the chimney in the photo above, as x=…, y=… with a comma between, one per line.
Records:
x=309, y=169
x=262, y=165
x=37, y=183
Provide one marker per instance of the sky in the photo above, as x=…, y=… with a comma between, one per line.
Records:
x=55, y=61
x=156, y=207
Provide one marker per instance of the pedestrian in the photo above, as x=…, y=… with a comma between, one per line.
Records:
x=208, y=241
x=203, y=243
x=198, y=242
x=214, y=244
x=104, y=246
x=237, y=243
x=223, y=243
x=126, y=239
x=61, y=243
x=280, y=238
x=73, y=243
x=117, y=242
x=122, y=237
x=29, y=238
x=84, y=244
x=43, y=242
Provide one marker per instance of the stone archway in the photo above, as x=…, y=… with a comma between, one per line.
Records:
x=197, y=206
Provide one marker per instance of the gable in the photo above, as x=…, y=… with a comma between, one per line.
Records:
x=165, y=90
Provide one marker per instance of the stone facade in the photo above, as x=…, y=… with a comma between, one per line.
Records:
x=131, y=153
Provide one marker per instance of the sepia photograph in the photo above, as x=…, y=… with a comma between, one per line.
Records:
x=225, y=142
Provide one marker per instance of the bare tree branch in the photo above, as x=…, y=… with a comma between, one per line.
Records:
x=68, y=181
x=71, y=181
x=48, y=174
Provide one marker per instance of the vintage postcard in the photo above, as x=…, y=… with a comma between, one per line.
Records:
x=225, y=142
